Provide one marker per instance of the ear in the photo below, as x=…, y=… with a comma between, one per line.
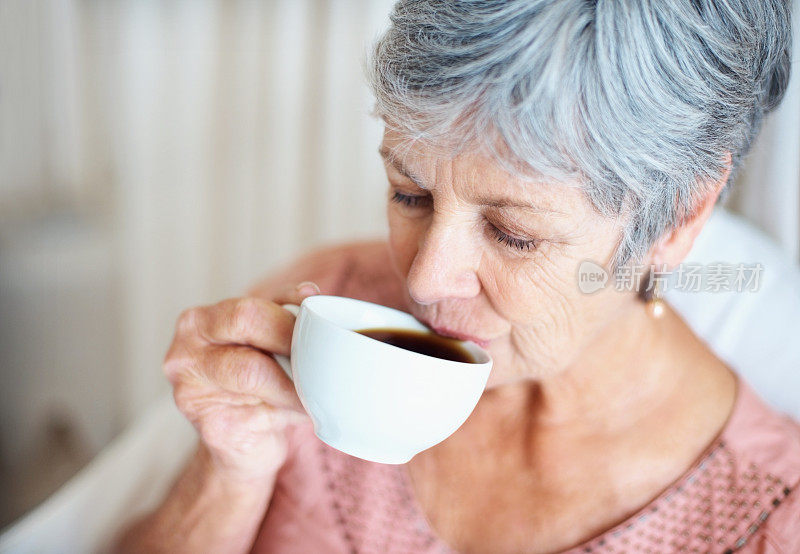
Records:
x=675, y=245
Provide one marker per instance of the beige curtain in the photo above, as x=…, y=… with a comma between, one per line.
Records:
x=240, y=136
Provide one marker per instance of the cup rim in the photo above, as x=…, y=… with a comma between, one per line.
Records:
x=472, y=347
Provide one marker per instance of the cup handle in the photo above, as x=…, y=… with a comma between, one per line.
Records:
x=282, y=360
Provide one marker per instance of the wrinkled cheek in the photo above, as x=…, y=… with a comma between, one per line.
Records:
x=542, y=310
x=533, y=292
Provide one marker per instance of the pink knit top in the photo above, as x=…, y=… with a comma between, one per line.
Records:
x=740, y=495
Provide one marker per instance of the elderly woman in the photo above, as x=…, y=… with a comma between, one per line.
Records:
x=521, y=139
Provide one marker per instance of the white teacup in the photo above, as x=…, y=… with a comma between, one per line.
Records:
x=371, y=399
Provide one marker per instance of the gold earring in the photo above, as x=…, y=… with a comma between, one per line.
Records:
x=655, y=298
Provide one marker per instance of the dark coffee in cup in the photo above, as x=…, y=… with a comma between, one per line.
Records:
x=423, y=342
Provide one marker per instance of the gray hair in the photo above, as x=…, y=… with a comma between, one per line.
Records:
x=639, y=101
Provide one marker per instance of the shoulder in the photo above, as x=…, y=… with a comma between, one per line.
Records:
x=766, y=447
x=763, y=436
x=358, y=269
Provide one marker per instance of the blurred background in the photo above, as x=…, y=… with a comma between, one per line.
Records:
x=159, y=155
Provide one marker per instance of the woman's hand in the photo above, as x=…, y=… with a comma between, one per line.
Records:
x=229, y=386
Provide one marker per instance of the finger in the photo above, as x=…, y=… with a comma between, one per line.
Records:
x=244, y=370
x=247, y=321
x=294, y=294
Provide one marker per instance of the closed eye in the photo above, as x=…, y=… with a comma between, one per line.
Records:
x=513, y=242
x=413, y=201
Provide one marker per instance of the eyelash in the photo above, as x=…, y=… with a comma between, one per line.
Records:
x=413, y=201
x=409, y=200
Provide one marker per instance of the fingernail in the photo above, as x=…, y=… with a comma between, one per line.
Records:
x=312, y=287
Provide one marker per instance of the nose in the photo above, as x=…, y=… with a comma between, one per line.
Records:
x=444, y=267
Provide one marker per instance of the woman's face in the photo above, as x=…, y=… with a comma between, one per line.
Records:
x=507, y=274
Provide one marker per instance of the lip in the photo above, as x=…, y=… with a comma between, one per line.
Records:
x=444, y=331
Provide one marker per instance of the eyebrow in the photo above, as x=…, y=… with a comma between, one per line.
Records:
x=386, y=154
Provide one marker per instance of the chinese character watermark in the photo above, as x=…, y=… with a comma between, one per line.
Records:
x=713, y=277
